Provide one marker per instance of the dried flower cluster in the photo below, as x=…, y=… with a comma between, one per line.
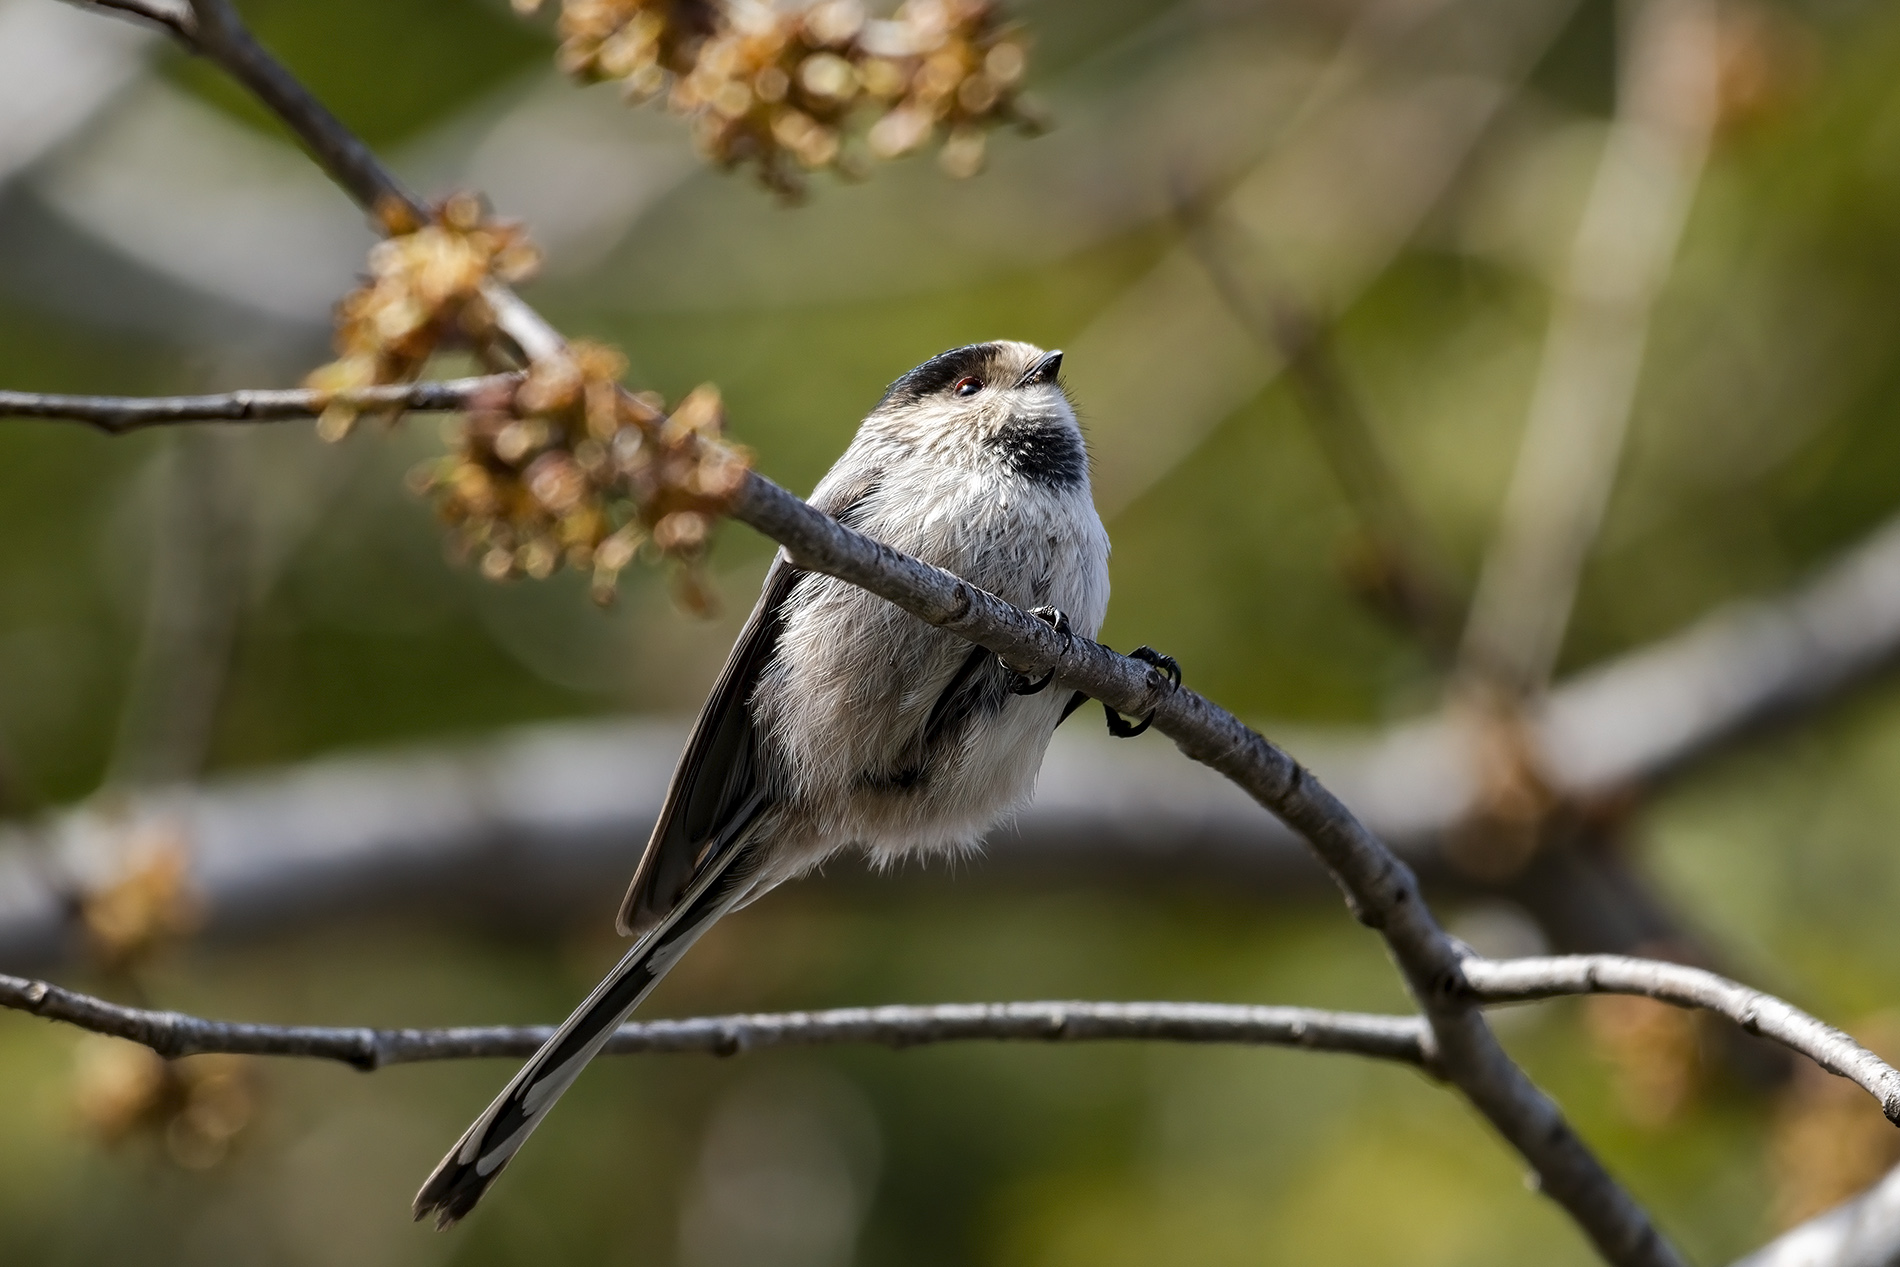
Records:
x=568, y=468
x=789, y=90
x=424, y=287
x=564, y=467
x=195, y=1107
x=148, y=902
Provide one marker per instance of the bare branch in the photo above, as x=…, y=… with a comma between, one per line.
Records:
x=1586, y=385
x=171, y=1034
x=1491, y=981
x=1863, y=1232
x=1381, y=890
x=222, y=37
x=116, y=415
x=1519, y=980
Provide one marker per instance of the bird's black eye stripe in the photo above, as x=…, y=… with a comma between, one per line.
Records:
x=968, y=386
x=940, y=373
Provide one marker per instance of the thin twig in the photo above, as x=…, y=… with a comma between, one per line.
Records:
x=118, y=414
x=1519, y=980
x=1586, y=385
x=222, y=37
x=1380, y=889
x=1407, y=574
x=172, y=1034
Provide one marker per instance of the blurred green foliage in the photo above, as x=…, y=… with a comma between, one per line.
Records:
x=1765, y=438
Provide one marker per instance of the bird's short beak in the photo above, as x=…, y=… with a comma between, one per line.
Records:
x=1043, y=371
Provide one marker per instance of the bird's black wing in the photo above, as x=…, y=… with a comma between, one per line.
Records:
x=718, y=778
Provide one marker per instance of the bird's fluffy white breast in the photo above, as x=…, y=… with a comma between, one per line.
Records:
x=855, y=678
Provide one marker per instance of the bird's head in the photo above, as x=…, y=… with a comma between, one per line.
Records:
x=1000, y=404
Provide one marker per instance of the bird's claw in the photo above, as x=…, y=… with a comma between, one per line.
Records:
x=1022, y=683
x=1119, y=726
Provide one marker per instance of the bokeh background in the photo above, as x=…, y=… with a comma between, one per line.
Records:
x=1411, y=177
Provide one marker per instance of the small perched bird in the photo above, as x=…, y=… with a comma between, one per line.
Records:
x=842, y=722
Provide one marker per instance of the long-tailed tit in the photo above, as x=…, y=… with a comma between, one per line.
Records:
x=842, y=722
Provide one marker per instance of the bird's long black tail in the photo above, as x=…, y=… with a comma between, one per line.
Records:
x=462, y=1176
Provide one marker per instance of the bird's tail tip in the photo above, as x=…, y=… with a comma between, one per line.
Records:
x=451, y=1192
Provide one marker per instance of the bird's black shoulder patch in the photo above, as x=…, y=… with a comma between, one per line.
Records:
x=939, y=372
x=1046, y=453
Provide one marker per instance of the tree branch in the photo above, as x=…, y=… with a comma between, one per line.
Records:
x=1520, y=980
x=221, y=36
x=1863, y=1232
x=1405, y=571
x=116, y=415
x=1586, y=385
x=171, y=1034
x=1402, y=1038
x=1380, y=889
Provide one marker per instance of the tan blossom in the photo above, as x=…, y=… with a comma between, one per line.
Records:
x=195, y=1107
x=792, y=90
x=569, y=469
x=149, y=901
x=423, y=288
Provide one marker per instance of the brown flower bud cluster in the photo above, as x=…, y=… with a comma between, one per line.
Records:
x=792, y=90
x=567, y=468
x=424, y=287
x=195, y=1107
x=147, y=903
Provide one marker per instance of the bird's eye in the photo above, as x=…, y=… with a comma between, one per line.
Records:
x=968, y=386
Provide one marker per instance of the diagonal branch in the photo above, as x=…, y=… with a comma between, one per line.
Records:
x=1380, y=889
x=1579, y=415
x=1405, y=571
x=116, y=415
x=171, y=1034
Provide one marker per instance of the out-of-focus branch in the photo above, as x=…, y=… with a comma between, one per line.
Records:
x=1401, y=570
x=1863, y=1232
x=173, y=17
x=1519, y=980
x=540, y=819
x=171, y=1034
x=118, y=414
x=1580, y=408
x=195, y=593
